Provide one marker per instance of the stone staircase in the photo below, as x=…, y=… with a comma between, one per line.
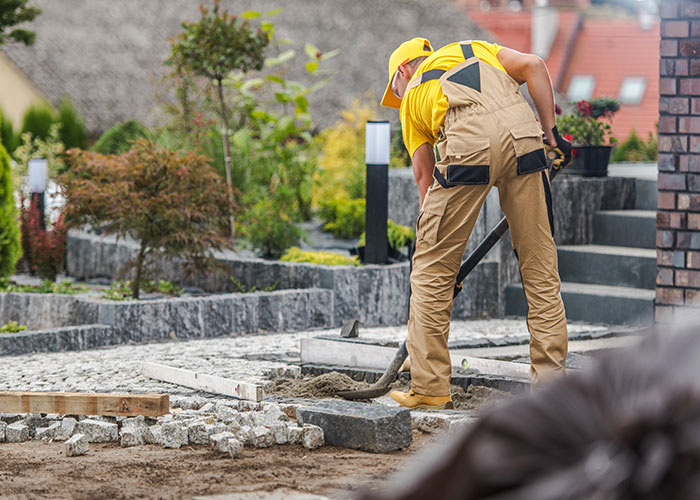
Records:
x=612, y=280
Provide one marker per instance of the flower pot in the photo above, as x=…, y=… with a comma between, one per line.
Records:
x=590, y=161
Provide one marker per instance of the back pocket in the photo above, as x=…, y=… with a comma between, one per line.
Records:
x=467, y=160
x=529, y=149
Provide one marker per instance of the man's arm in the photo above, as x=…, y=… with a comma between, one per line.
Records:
x=531, y=69
x=423, y=165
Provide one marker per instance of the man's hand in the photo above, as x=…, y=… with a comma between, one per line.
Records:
x=423, y=165
x=561, y=147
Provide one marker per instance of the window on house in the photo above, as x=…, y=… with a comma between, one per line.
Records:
x=580, y=87
x=632, y=89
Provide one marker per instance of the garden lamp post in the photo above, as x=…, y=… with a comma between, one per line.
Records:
x=377, y=141
x=38, y=180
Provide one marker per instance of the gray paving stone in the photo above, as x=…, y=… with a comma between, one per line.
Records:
x=363, y=426
x=68, y=426
x=235, y=447
x=312, y=436
x=3, y=427
x=261, y=437
x=97, y=431
x=219, y=442
x=294, y=434
x=76, y=446
x=17, y=432
x=172, y=435
x=48, y=433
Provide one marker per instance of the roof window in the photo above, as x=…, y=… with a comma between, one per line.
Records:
x=632, y=89
x=580, y=87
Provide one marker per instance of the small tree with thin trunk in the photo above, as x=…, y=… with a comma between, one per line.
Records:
x=168, y=201
x=12, y=13
x=214, y=47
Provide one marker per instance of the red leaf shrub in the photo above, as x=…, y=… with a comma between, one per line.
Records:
x=44, y=250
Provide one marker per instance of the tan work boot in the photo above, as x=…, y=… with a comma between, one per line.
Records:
x=420, y=402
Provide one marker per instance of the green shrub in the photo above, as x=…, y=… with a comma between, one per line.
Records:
x=268, y=228
x=8, y=138
x=38, y=119
x=163, y=287
x=343, y=217
x=72, y=131
x=119, y=138
x=241, y=288
x=295, y=254
x=12, y=327
x=63, y=287
x=635, y=149
x=10, y=247
x=399, y=236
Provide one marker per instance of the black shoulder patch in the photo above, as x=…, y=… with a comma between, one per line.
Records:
x=469, y=77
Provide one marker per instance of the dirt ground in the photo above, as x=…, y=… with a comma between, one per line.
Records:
x=327, y=385
x=37, y=470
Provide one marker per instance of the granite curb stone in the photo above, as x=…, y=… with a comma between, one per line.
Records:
x=368, y=427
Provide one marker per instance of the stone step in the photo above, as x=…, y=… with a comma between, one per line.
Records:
x=613, y=305
x=608, y=265
x=627, y=228
x=646, y=194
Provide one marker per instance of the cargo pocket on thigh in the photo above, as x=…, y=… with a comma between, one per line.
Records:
x=529, y=149
x=467, y=160
x=428, y=225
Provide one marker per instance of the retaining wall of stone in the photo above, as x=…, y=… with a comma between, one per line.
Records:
x=376, y=295
x=45, y=310
x=99, y=322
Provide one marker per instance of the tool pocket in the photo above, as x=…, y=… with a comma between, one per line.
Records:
x=428, y=225
x=529, y=148
x=467, y=160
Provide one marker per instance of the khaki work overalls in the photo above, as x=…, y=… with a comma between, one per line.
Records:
x=490, y=137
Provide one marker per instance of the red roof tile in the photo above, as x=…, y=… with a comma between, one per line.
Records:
x=611, y=51
x=607, y=49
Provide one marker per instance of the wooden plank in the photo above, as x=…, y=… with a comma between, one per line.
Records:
x=73, y=403
x=355, y=355
x=332, y=352
x=202, y=382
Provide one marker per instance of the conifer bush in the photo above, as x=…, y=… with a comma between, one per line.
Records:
x=120, y=138
x=8, y=138
x=72, y=131
x=37, y=120
x=10, y=249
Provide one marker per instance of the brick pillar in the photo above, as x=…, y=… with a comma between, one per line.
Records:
x=678, y=216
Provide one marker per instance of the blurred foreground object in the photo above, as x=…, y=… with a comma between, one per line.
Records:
x=628, y=428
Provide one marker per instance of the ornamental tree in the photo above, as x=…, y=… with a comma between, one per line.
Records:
x=12, y=13
x=168, y=201
x=214, y=47
x=10, y=249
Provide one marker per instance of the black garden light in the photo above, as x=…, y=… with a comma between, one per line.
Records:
x=377, y=143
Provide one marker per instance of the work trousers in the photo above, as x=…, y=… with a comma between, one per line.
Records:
x=481, y=146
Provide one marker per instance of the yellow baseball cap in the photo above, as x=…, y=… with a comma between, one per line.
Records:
x=407, y=51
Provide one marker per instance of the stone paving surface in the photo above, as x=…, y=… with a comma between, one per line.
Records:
x=247, y=358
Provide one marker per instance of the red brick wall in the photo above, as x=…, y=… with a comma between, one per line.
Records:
x=678, y=216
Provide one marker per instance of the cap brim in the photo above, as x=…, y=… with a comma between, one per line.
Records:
x=390, y=100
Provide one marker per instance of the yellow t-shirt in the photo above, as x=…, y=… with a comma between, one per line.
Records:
x=423, y=108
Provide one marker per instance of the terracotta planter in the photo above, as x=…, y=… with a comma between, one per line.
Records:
x=590, y=161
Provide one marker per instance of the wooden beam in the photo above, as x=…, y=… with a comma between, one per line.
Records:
x=356, y=355
x=202, y=382
x=73, y=403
